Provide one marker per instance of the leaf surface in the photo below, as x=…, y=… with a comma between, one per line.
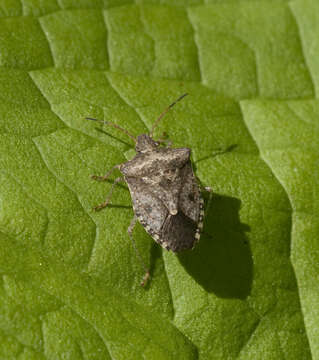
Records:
x=70, y=277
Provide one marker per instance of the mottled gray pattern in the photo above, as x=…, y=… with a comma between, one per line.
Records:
x=165, y=195
x=189, y=196
x=145, y=164
x=149, y=211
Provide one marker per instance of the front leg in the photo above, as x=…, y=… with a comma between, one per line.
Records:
x=106, y=176
x=105, y=203
x=164, y=140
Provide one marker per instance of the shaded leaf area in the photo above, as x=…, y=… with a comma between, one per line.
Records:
x=70, y=277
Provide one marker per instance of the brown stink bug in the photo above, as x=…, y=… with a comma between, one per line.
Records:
x=165, y=193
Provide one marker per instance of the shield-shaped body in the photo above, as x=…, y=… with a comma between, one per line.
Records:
x=166, y=196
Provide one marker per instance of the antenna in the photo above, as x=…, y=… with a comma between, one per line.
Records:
x=115, y=126
x=164, y=112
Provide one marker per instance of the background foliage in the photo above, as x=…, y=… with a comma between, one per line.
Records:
x=69, y=285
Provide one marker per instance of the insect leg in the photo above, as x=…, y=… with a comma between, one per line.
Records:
x=105, y=177
x=130, y=231
x=164, y=140
x=203, y=188
x=167, y=143
x=105, y=203
x=210, y=191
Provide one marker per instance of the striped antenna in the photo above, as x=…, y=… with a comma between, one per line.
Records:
x=164, y=112
x=115, y=126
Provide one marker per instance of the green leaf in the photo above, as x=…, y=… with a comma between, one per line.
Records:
x=70, y=277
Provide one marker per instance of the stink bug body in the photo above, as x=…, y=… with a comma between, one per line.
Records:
x=165, y=194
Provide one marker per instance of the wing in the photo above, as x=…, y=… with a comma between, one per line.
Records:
x=165, y=185
x=160, y=169
x=178, y=233
x=150, y=211
x=154, y=197
x=182, y=231
x=190, y=199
